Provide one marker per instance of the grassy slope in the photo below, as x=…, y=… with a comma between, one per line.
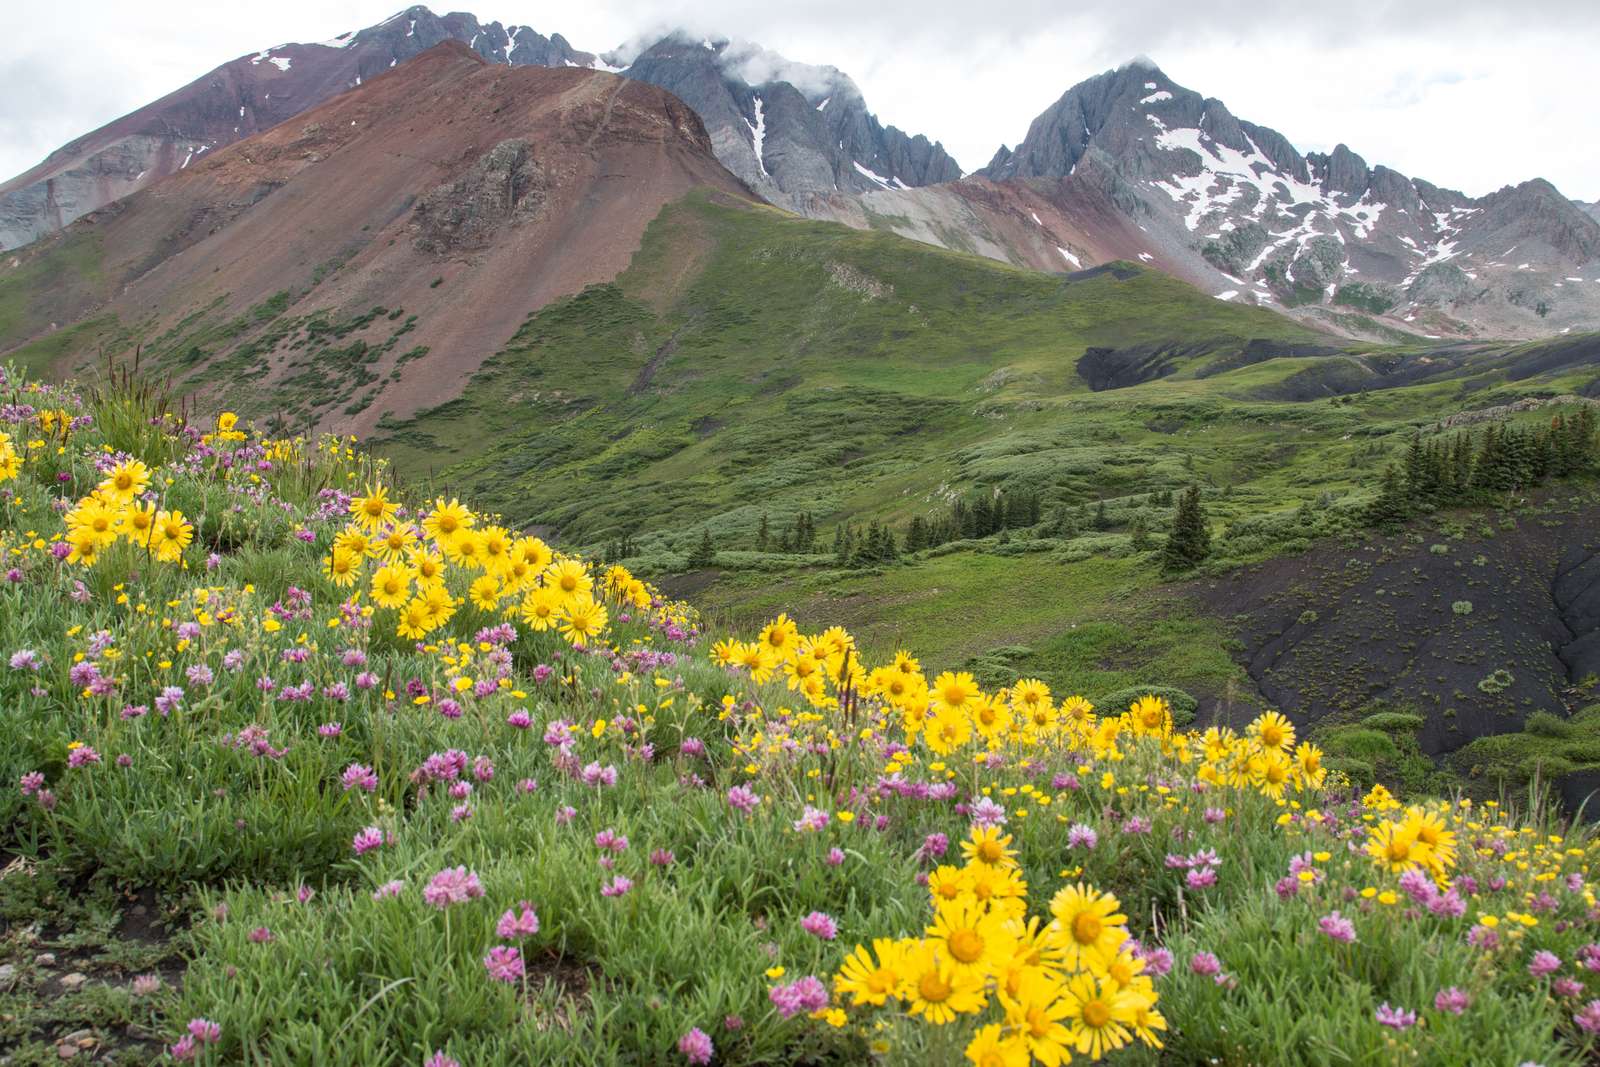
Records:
x=780, y=368
x=752, y=363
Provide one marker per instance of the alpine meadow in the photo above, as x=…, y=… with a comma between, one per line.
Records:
x=511, y=554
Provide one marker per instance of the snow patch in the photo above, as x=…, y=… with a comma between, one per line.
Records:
x=1035, y=217
x=758, y=135
x=1228, y=295
x=865, y=173
x=511, y=42
x=1147, y=257
x=824, y=105
x=1069, y=257
x=1156, y=98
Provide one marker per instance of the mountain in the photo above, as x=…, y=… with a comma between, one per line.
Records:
x=242, y=97
x=794, y=132
x=790, y=130
x=1132, y=164
x=1592, y=210
x=437, y=204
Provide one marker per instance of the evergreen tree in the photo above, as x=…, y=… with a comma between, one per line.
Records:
x=1389, y=509
x=705, y=553
x=1189, y=543
x=1101, y=520
x=1141, y=534
x=917, y=534
x=763, y=535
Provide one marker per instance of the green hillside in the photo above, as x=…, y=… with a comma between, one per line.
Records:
x=750, y=360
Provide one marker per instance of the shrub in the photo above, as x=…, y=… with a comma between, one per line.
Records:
x=1544, y=724
x=1462, y=607
x=1184, y=706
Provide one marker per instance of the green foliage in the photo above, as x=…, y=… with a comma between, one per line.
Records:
x=1189, y=543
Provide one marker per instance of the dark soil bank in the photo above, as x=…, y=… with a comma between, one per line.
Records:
x=1474, y=628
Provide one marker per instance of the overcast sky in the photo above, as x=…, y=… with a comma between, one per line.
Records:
x=1470, y=94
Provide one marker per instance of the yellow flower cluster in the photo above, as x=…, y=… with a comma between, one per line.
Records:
x=114, y=511
x=1419, y=839
x=10, y=461
x=810, y=664
x=952, y=713
x=505, y=574
x=1064, y=985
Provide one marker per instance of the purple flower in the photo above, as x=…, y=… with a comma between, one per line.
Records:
x=25, y=660
x=743, y=798
x=696, y=1047
x=516, y=924
x=811, y=819
x=1395, y=1018
x=261, y=935
x=933, y=847
x=986, y=812
x=1544, y=964
x=1588, y=1018
x=32, y=782
x=835, y=857
x=1451, y=1000
x=368, y=839
x=595, y=775
x=693, y=746
x=616, y=887
x=504, y=964
x=1338, y=927
x=662, y=857
x=804, y=995
x=1203, y=878
x=170, y=700
x=1205, y=965
x=520, y=719
x=439, y=1059
x=204, y=1030
x=820, y=924
x=82, y=756
x=1567, y=987
x=389, y=889
x=1157, y=962
x=452, y=886
x=1081, y=836
x=359, y=776
x=200, y=674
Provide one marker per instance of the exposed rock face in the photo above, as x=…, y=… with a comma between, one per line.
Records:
x=458, y=195
x=790, y=130
x=238, y=99
x=505, y=188
x=1235, y=208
